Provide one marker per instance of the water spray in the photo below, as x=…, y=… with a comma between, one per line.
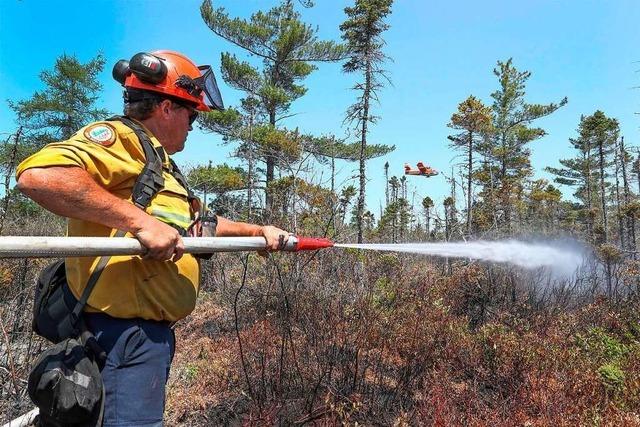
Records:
x=559, y=258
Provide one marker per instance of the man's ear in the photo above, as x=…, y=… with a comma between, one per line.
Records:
x=165, y=107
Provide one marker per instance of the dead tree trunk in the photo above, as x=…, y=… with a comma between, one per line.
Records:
x=8, y=174
x=470, y=172
x=363, y=150
x=621, y=230
x=630, y=219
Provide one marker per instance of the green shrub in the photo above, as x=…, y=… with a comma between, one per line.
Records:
x=601, y=345
x=612, y=377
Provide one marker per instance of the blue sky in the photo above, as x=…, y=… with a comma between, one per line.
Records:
x=442, y=51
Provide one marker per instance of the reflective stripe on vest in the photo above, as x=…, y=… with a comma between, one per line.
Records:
x=150, y=181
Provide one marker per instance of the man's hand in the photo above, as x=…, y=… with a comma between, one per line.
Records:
x=71, y=192
x=276, y=238
x=162, y=241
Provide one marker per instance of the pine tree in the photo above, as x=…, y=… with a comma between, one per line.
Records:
x=332, y=148
x=543, y=203
x=362, y=31
x=219, y=179
x=508, y=151
x=66, y=103
x=581, y=172
x=61, y=108
x=617, y=161
x=625, y=160
x=602, y=132
x=474, y=120
x=427, y=205
x=386, y=183
x=450, y=217
x=346, y=195
x=287, y=48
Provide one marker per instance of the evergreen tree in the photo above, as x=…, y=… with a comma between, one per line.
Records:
x=386, y=183
x=219, y=179
x=405, y=216
x=66, y=103
x=581, y=172
x=618, y=162
x=332, y=148
x=427, y=205
x=287, y=48
x=625, y=160
x=590, y=172
x=543, y=204
x=473, y=119
x=346, y=195
x=450, y=216
x=362, y=31
x=508, y=151
x=602, y=132
x=391, y=211
x=55, y=113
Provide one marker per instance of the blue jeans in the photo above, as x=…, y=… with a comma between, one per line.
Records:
x=139, y=354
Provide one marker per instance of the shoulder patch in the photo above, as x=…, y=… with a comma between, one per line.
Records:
x=101, y=133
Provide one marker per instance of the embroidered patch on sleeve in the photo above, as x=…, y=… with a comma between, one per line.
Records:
x=101, y=133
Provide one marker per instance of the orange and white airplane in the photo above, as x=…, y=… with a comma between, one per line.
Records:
x=422, y=170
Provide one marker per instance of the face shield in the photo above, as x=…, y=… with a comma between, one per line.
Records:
x=207, y=81
x=205, y=84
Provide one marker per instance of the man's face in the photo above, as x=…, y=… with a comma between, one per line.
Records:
x=178, y=121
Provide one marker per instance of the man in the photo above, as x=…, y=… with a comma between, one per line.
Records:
x=90, y=179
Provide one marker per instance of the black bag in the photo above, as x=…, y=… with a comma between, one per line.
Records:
x=53, y=306
x=66, y=384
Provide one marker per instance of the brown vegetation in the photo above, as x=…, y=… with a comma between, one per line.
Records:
x=389, y=340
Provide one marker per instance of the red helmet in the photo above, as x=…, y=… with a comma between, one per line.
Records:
x=172, y=74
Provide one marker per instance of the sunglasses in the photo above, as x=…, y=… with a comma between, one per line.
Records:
x=193, y=113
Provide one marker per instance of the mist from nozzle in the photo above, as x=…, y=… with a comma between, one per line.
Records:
x=564, y=258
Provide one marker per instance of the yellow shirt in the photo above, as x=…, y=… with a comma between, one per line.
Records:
x=128, y=286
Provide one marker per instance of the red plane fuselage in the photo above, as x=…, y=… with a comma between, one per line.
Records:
x=422, y=170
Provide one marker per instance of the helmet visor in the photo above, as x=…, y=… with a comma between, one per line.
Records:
x=207, y=82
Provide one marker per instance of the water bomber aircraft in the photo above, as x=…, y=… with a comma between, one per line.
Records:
x=422, y=170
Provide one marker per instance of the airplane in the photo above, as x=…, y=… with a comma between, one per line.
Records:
x=422, y=170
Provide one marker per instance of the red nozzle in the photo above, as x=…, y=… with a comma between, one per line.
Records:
x=312, y=243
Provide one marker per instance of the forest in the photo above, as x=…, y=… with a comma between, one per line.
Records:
x=354, y=337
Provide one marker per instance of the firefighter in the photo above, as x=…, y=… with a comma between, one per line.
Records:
x=105, y=179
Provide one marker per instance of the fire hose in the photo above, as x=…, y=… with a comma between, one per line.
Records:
x=56, y=247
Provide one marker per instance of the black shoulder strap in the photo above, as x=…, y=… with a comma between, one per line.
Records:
x=91, y=283
x=150, y=180
x=181, y=179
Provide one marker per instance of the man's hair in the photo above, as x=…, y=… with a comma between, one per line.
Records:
x=139, y=104
x=140, y=110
